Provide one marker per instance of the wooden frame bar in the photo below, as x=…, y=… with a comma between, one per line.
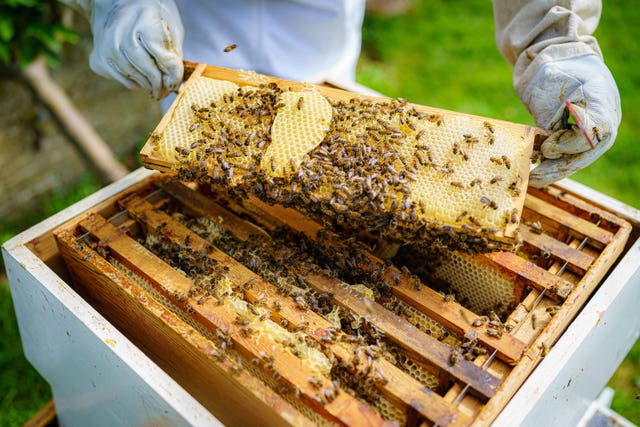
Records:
x=343, y=409
x=452, y=315
x=579, y=262
x=398, y=386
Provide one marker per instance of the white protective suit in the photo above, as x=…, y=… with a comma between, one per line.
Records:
x=140, y=43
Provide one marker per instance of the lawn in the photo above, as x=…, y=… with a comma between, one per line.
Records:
x=442, y=54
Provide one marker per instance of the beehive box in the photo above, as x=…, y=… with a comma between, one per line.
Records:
x=399, y=171
x=245, y=295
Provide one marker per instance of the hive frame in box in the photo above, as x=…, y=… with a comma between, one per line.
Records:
x=570, y=378
x=98, y=376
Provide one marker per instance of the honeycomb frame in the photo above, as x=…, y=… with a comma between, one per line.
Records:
x=392, y=183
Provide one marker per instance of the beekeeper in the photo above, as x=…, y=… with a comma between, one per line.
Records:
x=555, y=57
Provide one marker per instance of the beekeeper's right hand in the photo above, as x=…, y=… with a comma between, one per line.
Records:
x=138, y=43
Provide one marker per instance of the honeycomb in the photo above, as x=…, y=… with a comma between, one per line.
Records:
x=420, y=373
x=482, y=288
x=449, y=181
x=258, y=319
x=231, y=356
x=382, y=405
x=299, y=127
x=204, y=92
x=421, y=320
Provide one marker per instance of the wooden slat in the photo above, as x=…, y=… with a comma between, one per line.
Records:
x=400, y=386
x=556, y=248
x=406, y=334
x=538, y=278
x=344, y=409
x=578, y=206
x=455, y=317
x=45, y=417
x=426, y=300
x=562, y=217
x=222, y=385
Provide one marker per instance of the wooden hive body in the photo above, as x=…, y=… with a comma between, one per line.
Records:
x=245, y=377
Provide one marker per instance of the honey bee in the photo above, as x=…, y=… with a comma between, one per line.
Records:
x=457, y=184
x=300, y=103
x=230, y=47
x=470, y=139
x=514, y=216
x=493, y=332
x=464, y=316
x=535, y=227
x=506, y=162
x=455, y=355
x=314, y=382
x=495, y=179
x=476, y=181
x=489, y=127
x=488, y=202
x=461, y=216
x=545, y=350
x=552, y=310
x=475, y=221
x=534, y=321
x=300, y=327
x=596, y=133
x=477, y=322
x=495, y=160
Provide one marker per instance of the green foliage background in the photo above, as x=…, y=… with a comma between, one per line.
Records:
x=443, y=54
x=29, y=28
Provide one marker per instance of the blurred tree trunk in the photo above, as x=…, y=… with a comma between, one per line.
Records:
x=73, y=123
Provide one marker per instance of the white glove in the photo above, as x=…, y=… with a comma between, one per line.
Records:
x=138, y=43
x=589, y=86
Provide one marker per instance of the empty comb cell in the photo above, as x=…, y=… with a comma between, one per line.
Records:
x=394, y=169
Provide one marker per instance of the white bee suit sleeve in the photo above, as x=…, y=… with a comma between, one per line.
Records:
x=293, y=39
x=555, y=59
x=303, y=40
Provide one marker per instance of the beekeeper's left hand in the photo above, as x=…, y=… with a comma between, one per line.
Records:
x=588, y=85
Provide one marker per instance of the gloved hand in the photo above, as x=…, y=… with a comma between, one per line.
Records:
x=589, y=86
x=138, y=43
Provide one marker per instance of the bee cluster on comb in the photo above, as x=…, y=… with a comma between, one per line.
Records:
x=384, y=166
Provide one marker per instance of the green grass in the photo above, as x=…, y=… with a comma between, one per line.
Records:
x=626, y=383
x=441, y=54
x=24, y=391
